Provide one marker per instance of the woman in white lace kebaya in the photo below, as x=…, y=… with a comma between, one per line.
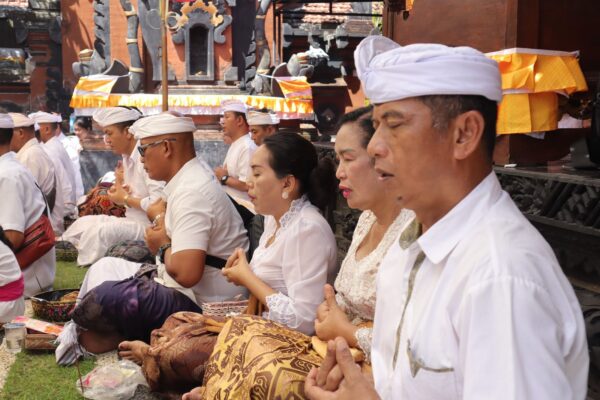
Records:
x=296, y=254
x=261, y=360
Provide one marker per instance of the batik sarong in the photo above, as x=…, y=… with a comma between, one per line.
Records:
x=132, y=307
x=259, y=359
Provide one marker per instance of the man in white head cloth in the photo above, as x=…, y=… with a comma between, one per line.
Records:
x=472, y=303
x=236, y=167
x=262, y=123
x=47, y=127
x=32, y=155
x=22, y=206
x=73, y=147
x=199, y=224
x=92, y=235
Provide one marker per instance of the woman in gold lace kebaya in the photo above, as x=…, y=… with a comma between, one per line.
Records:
x=259, y=359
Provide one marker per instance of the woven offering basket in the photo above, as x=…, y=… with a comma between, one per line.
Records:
x=224, y=308
x=50, y=306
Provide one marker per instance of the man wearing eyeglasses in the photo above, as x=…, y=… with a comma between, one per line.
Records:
x=93, y=235
x=198, y=224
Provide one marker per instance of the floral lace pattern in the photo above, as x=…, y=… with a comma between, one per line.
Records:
x=355, y=283
x=295, y=208
x=364, y=338
x=281, y=309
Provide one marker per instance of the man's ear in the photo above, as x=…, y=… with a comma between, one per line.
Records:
x=467, y=134
x=128, y=133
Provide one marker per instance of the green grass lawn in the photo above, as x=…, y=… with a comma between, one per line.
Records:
x=35, y=376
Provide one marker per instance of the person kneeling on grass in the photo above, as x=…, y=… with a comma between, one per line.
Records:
x=200, y=221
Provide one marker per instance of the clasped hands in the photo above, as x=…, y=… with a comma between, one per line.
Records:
x=119, y=190
x=155, y=235
x=338, y=377
x=237, y=270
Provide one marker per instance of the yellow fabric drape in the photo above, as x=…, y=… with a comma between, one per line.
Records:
x=295, y=88
x=531, y=80
x=95, y=86
x=195, y=104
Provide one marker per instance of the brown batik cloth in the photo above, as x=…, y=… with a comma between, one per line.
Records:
x=255, y=358
x=178, y=352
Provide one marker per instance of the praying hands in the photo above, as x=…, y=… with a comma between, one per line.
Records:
x=156, y=236
x=237, y=270
x=338, y=377
x=332, y=321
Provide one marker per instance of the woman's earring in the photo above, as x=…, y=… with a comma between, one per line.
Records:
x=285, y=195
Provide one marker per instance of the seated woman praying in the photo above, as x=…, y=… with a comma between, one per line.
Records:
x=295, y=257
x=259, y=359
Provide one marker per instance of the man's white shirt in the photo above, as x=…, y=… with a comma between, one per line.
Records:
x=64, y=169
x=237, y=163
x=200, y=217
x=73, y=147
x=490, y=315
x=33, y=156
x=22, y=205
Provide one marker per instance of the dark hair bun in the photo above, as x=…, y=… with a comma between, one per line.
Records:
x=292, y=154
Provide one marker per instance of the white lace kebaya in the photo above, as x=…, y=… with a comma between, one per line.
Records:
x=298, y=262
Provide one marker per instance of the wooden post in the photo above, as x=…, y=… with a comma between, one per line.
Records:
x=164, y=69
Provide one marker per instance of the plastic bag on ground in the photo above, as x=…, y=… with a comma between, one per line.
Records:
x=112, y=382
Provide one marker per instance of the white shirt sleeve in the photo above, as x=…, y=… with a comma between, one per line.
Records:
x=191, y=222
x=307, y=261
x=12, y=217
x=510, y=352
x=244, y=164
x=155, y=191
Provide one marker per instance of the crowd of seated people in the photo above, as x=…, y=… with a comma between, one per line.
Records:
x=446, y=291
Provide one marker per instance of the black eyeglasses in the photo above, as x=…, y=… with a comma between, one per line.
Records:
x=142, y=148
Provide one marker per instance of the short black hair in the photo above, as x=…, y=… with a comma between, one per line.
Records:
x=239, y=114
x=361, y=116
x=84, y=122
x=6, y=135
x=444, y=108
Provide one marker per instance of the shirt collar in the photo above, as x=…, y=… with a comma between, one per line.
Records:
x=135, y=154
x=444, y=235
x=172, y=184
x=8, y=156
x=30, y=143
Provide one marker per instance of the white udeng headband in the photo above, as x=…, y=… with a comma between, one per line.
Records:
x=114, y=115
x=161, y=124
x=390, y=72
x=261, y=118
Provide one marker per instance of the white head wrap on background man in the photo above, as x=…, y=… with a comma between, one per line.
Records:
x=114, y=115
x=261, y=118
x=41, y=117
x=20, y=120
x=233, y=105
x=391, y=72
x=6, y=121
x=161, y=124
